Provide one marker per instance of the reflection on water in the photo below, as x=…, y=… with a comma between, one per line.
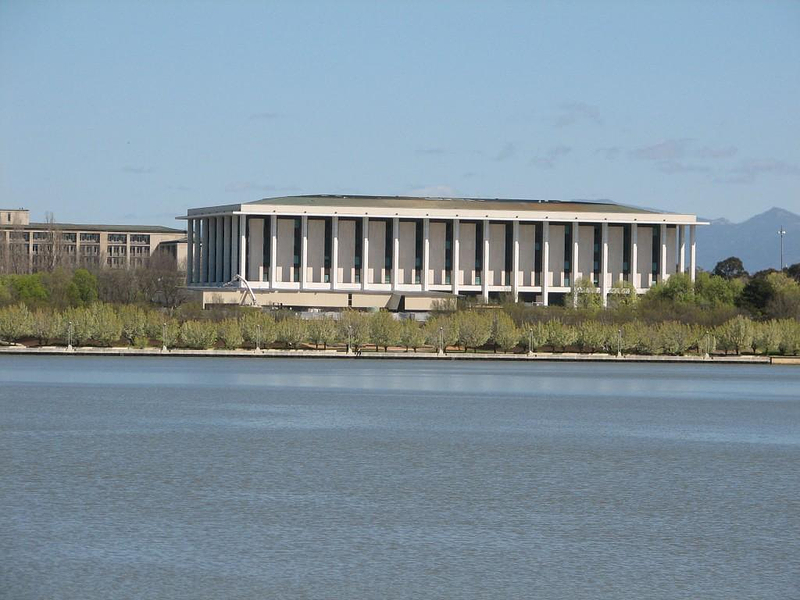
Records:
x=256, y=478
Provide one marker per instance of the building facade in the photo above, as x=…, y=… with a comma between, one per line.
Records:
x=403, y=252
x=28, y=247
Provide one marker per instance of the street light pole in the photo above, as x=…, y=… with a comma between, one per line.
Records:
x=619, y=343
x=258, y=337
x=530, y=341
x=69, y=337
x=349, y=339
x=708, y=344
x=163, y=337
x=441, y=340
x=781, y=233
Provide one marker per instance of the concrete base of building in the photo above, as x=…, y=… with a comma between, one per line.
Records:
x=408, y=301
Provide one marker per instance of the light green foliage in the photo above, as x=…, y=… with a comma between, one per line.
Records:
x=16, y=322
x=27, y=288
x=533, y=336
x=321, y=331
x=736, y=334
x=474, y=328
x=713, y=291
x=134, y=322
x=105, y=322
x=560, y=335
x=229, y=332
x=384, y=330
x=198, y=334
x=674, y=338
x=250, y=324
x=790, y=337
x=85, y=286
x=639, y=338
x=623, y=294
x=767, y=336
x=411, y=334
x=291, y=331
x=591, y=336
x=585, y=294
x=505, y=334
x=354, y=328
x=678, y=289
x=449, y=330
x=5, y=292
x=46, y=325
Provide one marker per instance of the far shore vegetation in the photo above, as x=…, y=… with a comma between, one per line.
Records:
x=727, y=311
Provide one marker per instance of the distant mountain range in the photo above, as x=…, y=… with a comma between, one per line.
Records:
x=755, y=241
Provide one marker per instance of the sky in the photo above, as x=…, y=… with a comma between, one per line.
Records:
x=132, y=112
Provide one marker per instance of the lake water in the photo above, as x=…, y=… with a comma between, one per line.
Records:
x=290, y=478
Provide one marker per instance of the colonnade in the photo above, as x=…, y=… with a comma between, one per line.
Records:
x=280, y=252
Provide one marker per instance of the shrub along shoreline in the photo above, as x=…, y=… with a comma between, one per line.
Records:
x=491, y=328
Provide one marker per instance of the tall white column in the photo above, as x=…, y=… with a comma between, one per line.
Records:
x=662, y=263
x=485, y=265
x=303, y=251
x=212, y=250
x=515, y=261
x=189, y=251
x=604, y=275
x=226, y=249
x=426, y=252
x=365, y=253
x=205, y=270
x=198, y=248
x=219, y=241
x=545, y=263
x=456, y=267
x=273, y=250
x=334, y=252
x=635, y=256
x=234, y=246
x=242, y=247
x=395, y=252
x=681, y=248
x=692, y=252
x=576, y=239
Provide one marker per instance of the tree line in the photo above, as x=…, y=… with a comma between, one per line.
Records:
x=486, y=329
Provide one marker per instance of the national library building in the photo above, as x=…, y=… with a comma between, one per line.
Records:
x=405, y=253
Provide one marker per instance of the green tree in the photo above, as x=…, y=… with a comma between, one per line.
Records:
x=474, y=329
x=133, y=321
x=198, y=334
x=736, y=334
x=354, y=328
x=259, y=327
x=46, y=325
x=411, y=334
x=623, y=294
x=591, y=336
x=106, y=325
x=767, y=336
x=85, y=286
x=560, y=335
x=505, y=334
x=533, y=336
x=674, y=338
x=730, y=268
x=321, y=331
x=384, y=330
x=16, y=322
x=291, y=332
x=446, y=327
x=585, y=294
x=230, y=333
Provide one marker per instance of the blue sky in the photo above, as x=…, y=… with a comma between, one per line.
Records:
x=133, y=111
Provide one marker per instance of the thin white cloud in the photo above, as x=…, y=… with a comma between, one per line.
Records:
x=721, y=152
x=137, y=170
x=549, y=159
x=572, y=112
x=748, y=171
x=674, y=149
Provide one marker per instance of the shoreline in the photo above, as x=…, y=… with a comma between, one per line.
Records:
x=371, y=355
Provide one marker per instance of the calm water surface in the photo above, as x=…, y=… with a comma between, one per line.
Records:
x=281, y=478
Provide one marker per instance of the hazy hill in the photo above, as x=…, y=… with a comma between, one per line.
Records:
x=755, y=241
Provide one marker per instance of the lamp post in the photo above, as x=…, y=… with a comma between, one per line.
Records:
x=441, y=341
x=781, y=233
x=619, y=343
x=69, y=337
x=708, y=345
x=530, y=341
x=163, y=337
x=258, y=337
x=349, y=339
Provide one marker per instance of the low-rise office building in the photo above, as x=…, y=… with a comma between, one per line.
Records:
x=405, y=253
x=27, y=247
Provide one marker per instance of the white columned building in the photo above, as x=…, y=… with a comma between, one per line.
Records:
x=405, y=253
